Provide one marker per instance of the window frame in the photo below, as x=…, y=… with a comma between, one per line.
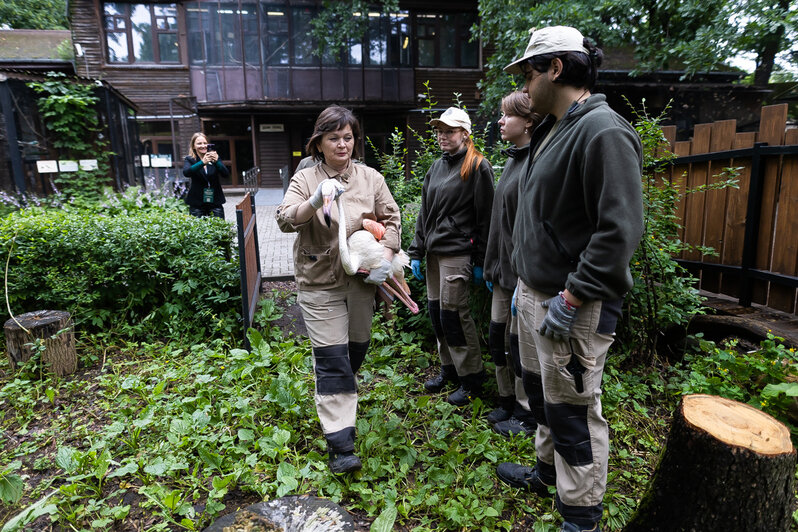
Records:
x=154, y=33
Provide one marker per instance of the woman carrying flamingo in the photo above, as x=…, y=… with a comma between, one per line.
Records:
x=337, y=308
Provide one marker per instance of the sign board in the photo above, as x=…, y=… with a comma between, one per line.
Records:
x=161, y=161
x=47, y=167
x=68, y=166
x=88, y=164
x=145, y=161
x=296, y=154
x=272, y=128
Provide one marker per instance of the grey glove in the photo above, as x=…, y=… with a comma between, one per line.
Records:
x=380, y=274
x=559, y=319
x=317, y=199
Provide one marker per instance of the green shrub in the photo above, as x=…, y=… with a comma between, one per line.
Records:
x=143, y=273
x=765, y=378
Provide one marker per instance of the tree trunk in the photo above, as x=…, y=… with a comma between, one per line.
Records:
x=55, y=328
x=726, y=466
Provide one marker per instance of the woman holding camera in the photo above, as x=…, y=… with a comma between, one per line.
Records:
x=205, y=196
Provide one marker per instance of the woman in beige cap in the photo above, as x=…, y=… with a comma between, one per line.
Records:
x=452, y=232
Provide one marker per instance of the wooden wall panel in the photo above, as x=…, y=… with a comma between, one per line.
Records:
x=771, y=130
x=785, y=234
x=679, y=180
x=722, y=138
x=736, y=207
x=695, y=203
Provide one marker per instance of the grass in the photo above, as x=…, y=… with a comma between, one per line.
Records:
x=163, y=436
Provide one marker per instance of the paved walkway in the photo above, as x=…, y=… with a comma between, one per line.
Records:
x=276, y=247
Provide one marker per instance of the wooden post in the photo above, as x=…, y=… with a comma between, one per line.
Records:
x=726, y=466
x=60, y=354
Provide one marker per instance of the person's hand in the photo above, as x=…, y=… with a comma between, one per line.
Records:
x=559, y=319
x=213, y=156
x=513, y=308
x=380, y=274
x=477, y=275
x=489, y=286
x=317, y=198
x=415, y=267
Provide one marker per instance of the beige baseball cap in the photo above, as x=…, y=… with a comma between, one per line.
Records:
x=453, y=117
x=553, y=39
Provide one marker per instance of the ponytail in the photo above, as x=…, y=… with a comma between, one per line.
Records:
x=473, y=158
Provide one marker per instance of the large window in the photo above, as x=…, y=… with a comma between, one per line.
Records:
x=141, y=33
x=443, y=40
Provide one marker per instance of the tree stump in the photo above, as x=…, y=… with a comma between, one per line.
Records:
x=60, y=354
x=726, y=466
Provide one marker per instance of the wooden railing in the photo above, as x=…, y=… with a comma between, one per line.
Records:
x=249, y=260
x=753, y=228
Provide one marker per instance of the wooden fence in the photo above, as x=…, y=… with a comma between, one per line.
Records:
x=249, y=260
x=753, y=229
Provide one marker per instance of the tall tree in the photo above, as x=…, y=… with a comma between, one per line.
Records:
x=686, y=35
x=34, y=14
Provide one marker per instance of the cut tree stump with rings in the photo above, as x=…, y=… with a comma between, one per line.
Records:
x=55, y=328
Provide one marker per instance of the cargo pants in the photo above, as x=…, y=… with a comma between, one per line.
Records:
x=563, y=382
x=503, y=341
x=448, y=279
x=339, y=326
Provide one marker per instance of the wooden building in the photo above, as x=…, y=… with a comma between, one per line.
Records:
x=244, y=72
x=28, y=56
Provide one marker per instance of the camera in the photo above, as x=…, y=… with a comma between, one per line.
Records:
x=209, y=147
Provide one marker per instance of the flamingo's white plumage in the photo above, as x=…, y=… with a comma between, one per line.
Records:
x=361, y=252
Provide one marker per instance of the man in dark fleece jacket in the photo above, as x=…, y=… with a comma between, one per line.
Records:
x=580, y=218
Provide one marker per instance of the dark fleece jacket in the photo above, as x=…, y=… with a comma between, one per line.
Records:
x=580, y=211
x=455, y=215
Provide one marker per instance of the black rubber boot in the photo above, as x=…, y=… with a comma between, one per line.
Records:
x=344, y=462
x=504, y=411
x=447, y=375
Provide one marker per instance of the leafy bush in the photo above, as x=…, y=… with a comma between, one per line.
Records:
x=143, y=272
x=765, y=378
x=664, y=294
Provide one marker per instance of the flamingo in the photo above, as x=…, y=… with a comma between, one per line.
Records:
x=361, y=251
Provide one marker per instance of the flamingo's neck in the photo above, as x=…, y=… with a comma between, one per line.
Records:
x=343, y=246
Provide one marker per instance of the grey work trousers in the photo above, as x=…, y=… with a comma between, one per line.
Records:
x=563, y=382
x=448, y=279
x=339, y=326
x=503, y=340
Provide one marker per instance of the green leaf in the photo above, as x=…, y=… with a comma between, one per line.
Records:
x=157, y=467
x=65, y=459
x=128, y=469
x=11, y=487
x=384, y=521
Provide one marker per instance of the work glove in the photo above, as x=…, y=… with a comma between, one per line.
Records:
x=559, y=319
x=513, y=308
x=415, y=267
x=379, y=274
x=317, y=199
x=489, y=286
x=477, y=274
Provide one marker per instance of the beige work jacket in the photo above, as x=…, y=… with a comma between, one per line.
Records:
x=317, y=261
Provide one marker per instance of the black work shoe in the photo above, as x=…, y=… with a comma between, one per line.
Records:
x=461, y=397
x=514, y=426
x=573, y=527
x=344, y=463
x=499, y=414
x=519, y=476
x=447, y=375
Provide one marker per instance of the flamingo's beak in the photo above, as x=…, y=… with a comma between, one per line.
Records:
x=325, y=208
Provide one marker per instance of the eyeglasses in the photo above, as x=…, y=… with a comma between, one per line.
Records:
x=446, y=132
